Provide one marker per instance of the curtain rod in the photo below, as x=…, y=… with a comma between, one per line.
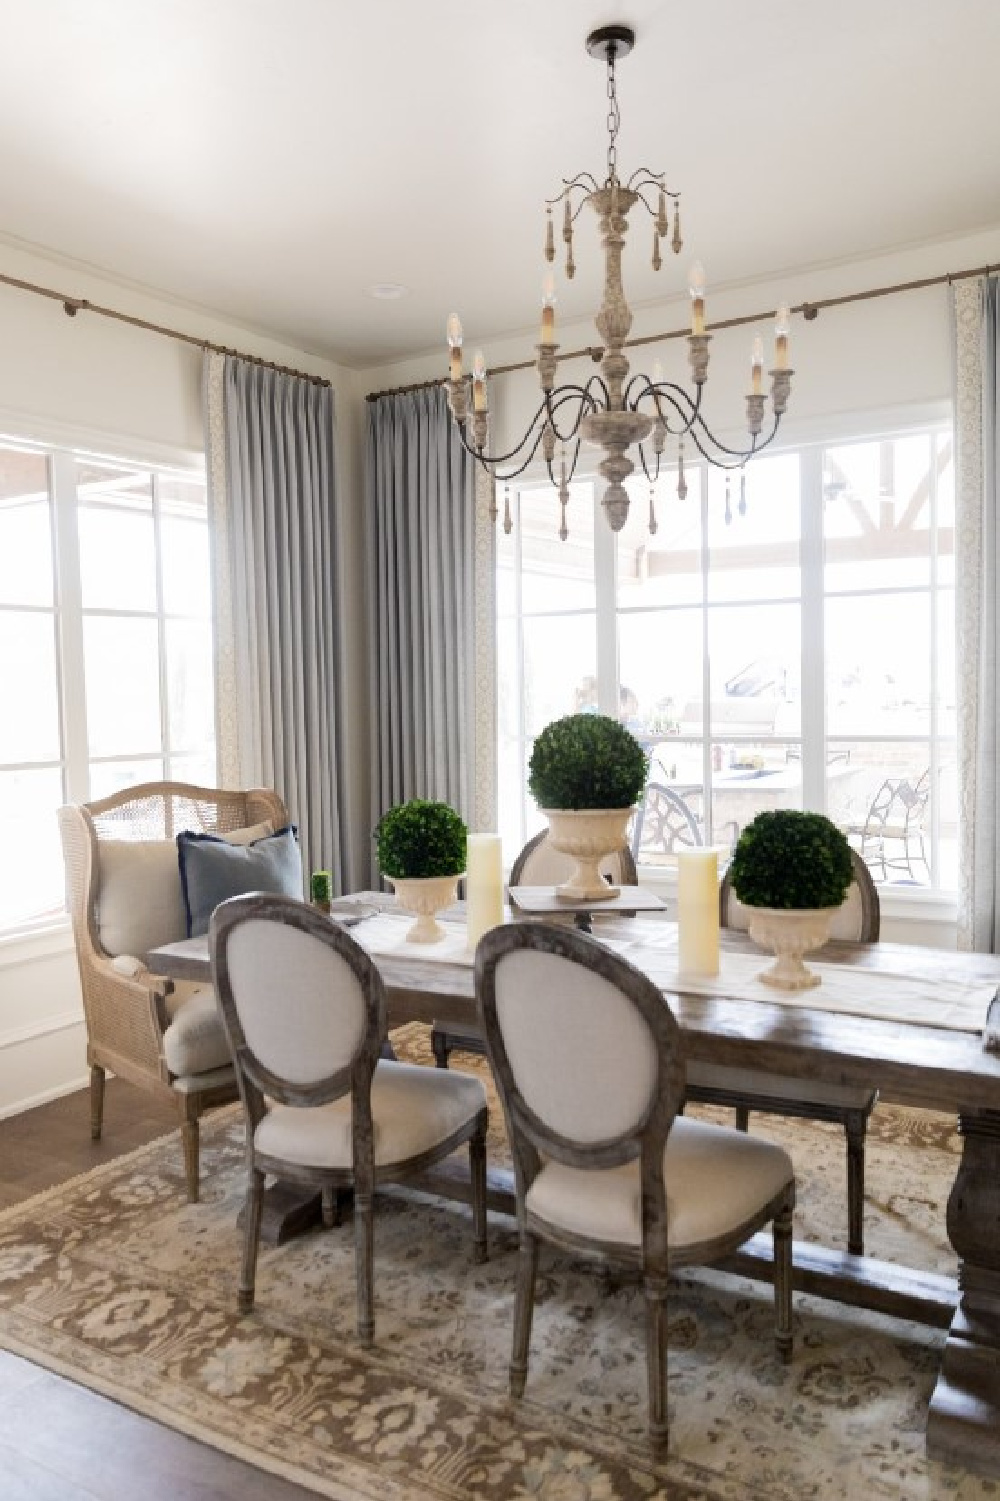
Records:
x=74, y=305
x=809, y=311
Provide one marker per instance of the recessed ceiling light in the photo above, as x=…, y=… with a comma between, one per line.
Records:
x=387, y=291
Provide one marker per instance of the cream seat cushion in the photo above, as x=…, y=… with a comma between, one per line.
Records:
x=414, y=1109
x=717, y=1180
x=779, y=1087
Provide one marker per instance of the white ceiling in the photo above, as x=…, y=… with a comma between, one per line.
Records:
x=272, y=159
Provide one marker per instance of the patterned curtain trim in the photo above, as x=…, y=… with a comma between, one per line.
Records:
x=227, y=738
x=968, y=317
x=484, y=791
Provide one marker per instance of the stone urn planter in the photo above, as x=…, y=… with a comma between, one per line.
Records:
x=789, y=934
x=587, y=835
x=425, y=896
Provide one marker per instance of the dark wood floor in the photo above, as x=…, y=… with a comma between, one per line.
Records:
x=58, y=1441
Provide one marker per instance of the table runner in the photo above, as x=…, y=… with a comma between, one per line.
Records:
x=881, y=995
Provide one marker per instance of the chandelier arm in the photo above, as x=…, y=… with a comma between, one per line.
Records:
x=490, y=460
x=741, y=455
x=644, y=177
x=664, y=391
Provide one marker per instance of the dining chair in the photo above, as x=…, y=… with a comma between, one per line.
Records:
x=589, y=1065
x=891, y=838
x=304, y=1010
x=747, y=1089
x=538, y=864
x=125, y=898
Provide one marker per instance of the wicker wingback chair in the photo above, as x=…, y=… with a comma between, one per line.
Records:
x=123, y=888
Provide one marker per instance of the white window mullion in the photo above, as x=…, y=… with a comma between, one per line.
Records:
x=69, y=615
x=813, y=630
x=605, y=598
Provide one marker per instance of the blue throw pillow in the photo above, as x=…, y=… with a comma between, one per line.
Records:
x=212, y=870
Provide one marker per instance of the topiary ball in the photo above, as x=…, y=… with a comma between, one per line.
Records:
x=586, y=761
x=792, y=860
x=419, y=839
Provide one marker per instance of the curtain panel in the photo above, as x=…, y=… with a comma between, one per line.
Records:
x=976, y=307
x=430, y=589
x=279, y=673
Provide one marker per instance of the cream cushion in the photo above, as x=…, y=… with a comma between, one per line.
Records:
x=717, y=1180
x=195, y=1042
x=414, y=1109
x=746, y=1081
x=139, y=901
x=140, y=904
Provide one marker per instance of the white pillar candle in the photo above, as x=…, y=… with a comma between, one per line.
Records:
x=698, y=911
x=483, y=885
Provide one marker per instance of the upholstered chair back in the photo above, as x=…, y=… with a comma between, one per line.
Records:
x=302, y=1004
x=857, y=921
x=539, y=864
x=584, y=1048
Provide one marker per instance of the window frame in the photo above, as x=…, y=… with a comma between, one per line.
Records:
x=935, y=421
x=62, y=452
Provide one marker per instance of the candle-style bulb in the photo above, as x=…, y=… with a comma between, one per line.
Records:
x=548, y=330
x=782, y=320
x=696, y=286
x=756, y=365
x=478, y=365
x=657, y=372
x=454, y=331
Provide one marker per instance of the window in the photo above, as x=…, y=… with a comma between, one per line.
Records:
x=105, y=648
x=799, y=656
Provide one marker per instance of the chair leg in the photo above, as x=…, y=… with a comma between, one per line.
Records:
x=330, y=1212
x=783, y=1282
x=364, y=1266
x=439, y=1047
x=524, y=1307
x=97, y=1077
x=742, y=1118
x=655, y=1288
x=251, y=1240
x=189, y=1137
x=477, y=1173
x=855, y=1127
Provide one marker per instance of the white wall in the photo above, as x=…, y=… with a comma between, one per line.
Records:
x=88, y=379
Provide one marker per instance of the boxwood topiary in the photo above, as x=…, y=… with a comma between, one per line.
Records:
x=586, y=761
x=792, y=860
x=421, y=838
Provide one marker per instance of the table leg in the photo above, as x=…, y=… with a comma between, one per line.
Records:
x=963, y=1425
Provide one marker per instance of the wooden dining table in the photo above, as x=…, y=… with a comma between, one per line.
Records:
x=937, y=1067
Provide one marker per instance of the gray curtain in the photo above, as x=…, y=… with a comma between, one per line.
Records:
x=272, y=493
x=977, y=326
x=420, y=508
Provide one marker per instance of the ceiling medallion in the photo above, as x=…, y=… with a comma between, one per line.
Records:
x=615, y=411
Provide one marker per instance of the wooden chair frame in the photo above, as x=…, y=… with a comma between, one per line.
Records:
x=532, y=1141
x=126, y=1015
x=853, y=1118
x=257, y=1084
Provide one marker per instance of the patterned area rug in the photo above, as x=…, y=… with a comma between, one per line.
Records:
x=115, y=1281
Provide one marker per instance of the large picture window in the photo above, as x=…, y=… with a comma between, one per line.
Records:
x=105, y=648
x=800, y=655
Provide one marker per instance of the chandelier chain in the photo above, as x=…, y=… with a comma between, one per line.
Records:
x=614, y=118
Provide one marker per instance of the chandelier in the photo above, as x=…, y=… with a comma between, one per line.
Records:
x=615, y=411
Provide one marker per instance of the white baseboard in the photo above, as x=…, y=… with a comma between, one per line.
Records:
x=17, y=1107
